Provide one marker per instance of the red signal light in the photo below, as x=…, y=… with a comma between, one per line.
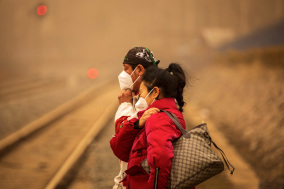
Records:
x=41, y=10
x=93, y=73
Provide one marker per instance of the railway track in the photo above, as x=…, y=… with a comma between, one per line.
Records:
x=28, y=86
x=42, y=153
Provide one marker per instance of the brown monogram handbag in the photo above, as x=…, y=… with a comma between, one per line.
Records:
x=194, y=161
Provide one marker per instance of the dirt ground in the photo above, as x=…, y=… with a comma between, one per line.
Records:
x=99, y=166
x=246, y=102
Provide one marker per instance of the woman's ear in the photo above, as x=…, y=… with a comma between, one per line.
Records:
x=140, y=69
x=156, y=92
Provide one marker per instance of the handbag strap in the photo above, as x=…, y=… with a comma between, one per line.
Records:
x=177, y=123
x=187, y=135
x=228, y=164
x=156, y=178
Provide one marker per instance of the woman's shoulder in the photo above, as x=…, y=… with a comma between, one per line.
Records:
x=163, y=117
x=158, y=115
x=177, y=113
x=163, y=114
x=157, y=122
x=162, y=121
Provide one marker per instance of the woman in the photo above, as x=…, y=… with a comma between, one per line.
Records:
x=151, y=135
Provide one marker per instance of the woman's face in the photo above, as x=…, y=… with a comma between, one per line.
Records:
x=144, y=92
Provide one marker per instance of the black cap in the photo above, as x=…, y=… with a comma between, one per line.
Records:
x=140, y=55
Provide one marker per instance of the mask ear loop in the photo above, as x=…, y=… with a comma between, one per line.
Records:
x=133, y=71
x=149, y=94
x=137, y=77
x=135, y=80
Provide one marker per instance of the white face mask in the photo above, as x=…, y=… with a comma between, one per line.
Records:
x=141, y=104
x=125, y=80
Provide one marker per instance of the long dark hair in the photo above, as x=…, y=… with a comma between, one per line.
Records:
x=171, y=81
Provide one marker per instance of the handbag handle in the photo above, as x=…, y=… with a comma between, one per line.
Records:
x=187, y=135
x=177, y=123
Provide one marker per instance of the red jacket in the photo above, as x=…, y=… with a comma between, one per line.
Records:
x=153, y=142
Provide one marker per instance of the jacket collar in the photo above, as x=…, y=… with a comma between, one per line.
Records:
x=164, y=103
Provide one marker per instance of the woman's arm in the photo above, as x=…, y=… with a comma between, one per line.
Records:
x=160, y=134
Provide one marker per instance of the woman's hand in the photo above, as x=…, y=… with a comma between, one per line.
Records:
x=146, y=115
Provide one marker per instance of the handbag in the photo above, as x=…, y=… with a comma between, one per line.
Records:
x=194, y=161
